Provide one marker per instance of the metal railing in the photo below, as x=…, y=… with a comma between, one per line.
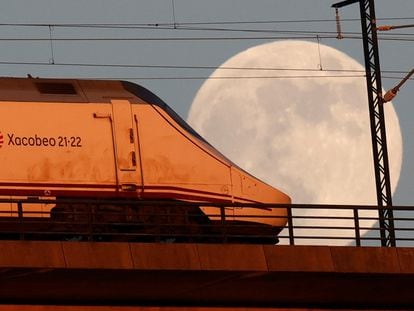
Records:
x=174, y=222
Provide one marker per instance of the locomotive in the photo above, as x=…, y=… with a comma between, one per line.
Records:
x=114, y=141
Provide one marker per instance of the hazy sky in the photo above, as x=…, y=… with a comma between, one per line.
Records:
x=155, y=19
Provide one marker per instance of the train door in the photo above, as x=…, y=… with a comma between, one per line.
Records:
x=125, y=142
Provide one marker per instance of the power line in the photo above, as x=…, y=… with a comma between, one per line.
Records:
x=155, y=24
x=90, y=39
x=223, y=78
x=226, y=77
x=185, y=27
x=290, y=21
x=188, y=67
x=181, y=27
x=294, y=35
x=232, y=77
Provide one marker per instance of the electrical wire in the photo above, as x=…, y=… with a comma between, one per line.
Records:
x=222, y=78
x=184, y=26
x=310, y=35
x=247, y=26
x=91, y=39
x=287, y=34
x=291, y=34
x=188, y=67
x=247, y=22
x=89, y=77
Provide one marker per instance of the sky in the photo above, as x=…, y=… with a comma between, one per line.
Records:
x=171, y=34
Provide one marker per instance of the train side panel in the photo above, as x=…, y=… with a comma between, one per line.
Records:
x=53, y=149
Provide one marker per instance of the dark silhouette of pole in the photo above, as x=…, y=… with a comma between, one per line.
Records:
x=377, y=120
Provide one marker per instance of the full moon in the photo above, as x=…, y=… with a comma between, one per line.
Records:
x=295, y=114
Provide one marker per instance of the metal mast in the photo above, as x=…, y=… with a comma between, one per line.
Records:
x=376, y=113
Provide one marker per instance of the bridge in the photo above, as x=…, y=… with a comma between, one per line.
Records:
x=154, y=271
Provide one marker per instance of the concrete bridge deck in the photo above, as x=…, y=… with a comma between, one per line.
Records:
x=70, y=274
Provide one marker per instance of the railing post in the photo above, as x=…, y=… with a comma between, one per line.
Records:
x=356, y=224
x=90, y=214
x=20, y=215
x=223, y=223
x=290, y=226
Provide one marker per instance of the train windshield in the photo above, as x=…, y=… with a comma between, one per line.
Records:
x=151, y=98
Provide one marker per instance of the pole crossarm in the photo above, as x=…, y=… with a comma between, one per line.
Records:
x=344, y=3
x=377, y=119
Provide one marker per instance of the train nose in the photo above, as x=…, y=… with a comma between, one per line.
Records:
x=264, y=212
x=249, y=189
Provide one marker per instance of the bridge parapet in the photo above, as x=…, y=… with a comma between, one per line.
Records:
x=205, y=275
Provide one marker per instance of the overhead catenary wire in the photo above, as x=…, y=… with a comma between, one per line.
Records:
x=223, y=77
x=292, y=36
x=91, y=77
x=196, y=38
x=198, y=27
x=222, y=22
x=91, y=39
x=235, y=77
x=218, y=78
x=189, y=27
x=195, y=67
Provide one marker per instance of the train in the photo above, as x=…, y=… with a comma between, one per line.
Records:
x=115, y=141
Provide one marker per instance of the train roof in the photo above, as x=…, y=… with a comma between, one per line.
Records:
x=83, y=91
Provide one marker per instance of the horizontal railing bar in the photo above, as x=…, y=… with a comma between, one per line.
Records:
x=86, y=218
x=182, y=203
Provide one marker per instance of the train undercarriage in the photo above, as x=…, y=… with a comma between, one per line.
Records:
x=167, y=222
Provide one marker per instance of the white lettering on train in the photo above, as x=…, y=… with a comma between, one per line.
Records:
x=44, y=141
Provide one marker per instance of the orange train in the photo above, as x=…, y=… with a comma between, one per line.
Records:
x=115, y=140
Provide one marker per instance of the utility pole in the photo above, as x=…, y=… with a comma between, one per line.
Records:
x=377, y=120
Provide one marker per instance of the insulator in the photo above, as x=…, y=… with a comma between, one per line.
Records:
x=389, y=95
x=384, y=28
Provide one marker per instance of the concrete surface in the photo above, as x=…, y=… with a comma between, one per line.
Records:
x=163, y=276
